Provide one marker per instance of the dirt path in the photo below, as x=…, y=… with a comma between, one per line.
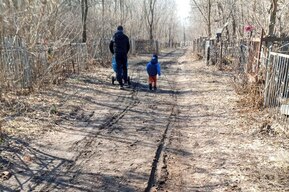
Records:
x=218, y=147
x=187, y=136
x=96, y=137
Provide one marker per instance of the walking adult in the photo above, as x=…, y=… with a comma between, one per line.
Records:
x=119, y=46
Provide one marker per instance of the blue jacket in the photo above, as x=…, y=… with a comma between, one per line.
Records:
x=153, y=67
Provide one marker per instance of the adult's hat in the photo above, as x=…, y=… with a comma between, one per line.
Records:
x=120, y=28
x=155, y=56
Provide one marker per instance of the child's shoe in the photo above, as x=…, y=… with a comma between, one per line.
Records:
x=150, y=86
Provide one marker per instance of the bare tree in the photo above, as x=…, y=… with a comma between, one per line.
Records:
x=84, y=11
x=273, y=11
x=149, y=10
x=205, y=8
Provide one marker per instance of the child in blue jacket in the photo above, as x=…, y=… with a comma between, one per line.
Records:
x=153, y=69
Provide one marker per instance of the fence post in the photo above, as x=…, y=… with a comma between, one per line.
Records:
x=157, y=47
x=207, y=51
x=221, y=54
x=27, y=79
x=197, y=45
x=266, y=92
x=204, y=47
x=260, y=49
x=132, y=45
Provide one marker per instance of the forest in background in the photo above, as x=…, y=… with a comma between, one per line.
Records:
x=235, y=15
x=60, y=21
x=75, y=21
x=42, y=40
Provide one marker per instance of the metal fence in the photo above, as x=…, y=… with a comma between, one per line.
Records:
x=244, y=55
x=99, y=50
x=199, y=46
x=23, y=67
x=152, y=46
x=276, y=89
x=15, y=64
x=254, y=60
x=144, y=46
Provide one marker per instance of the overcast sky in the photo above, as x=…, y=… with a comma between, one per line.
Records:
x=183, y=8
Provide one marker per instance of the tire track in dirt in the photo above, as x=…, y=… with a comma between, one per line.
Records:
x=159, y=173
x=84, y=146
x=71, y=171
x=111, y=164
x=153, y=180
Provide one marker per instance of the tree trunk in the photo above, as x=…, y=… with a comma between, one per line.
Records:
x=84, y=10
x=102, y=18
x=273, y=12
x=242, y=19
x=209, y=18
x=234, y=26
x=121, y=12
x=150, y=16
x=152, y=12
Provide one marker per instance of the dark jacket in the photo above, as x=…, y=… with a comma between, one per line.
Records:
x=119, y=43
x=153, y=67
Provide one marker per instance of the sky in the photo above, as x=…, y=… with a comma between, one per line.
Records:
x=183, y=9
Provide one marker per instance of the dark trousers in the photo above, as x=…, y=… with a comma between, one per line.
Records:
x=121, y=62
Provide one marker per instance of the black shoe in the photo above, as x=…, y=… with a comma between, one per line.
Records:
x=121, y=87
x=150, y=86
x=127, y=85
x=155, y=88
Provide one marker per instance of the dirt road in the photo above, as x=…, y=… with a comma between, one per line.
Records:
x=87, y=135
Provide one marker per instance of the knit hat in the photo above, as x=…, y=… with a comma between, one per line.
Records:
x=154, y=59
x=120, y=28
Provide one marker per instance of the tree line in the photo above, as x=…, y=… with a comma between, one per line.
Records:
x=235, y=16
x=62, y=21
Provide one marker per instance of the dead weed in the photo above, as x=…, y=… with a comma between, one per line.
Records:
x=251, y=93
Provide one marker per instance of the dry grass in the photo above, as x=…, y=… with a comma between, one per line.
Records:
x=13, y=108
x=251, y=92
